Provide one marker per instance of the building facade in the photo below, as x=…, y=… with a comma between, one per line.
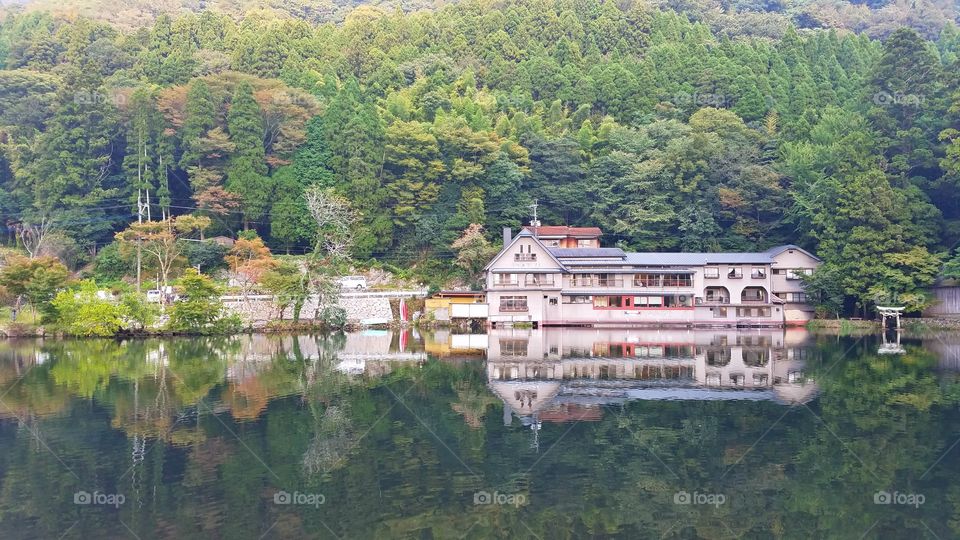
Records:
x=553, y=375
x=549, y=285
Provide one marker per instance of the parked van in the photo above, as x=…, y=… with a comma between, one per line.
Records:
x=353, y=282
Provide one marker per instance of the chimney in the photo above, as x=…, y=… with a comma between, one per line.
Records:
x=507, y=236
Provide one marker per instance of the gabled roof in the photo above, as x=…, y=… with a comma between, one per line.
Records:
x=776, y=250
x=563, y=230
x=522, y=234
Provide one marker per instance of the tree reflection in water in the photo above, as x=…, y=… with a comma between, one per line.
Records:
x=798, y=433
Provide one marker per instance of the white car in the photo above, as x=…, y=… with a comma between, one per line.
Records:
x=154, y=296
x=353, y=282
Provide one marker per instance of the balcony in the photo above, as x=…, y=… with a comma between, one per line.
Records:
x=539, y=282
x=513, y=283
x=753, y=295
x=596, y=282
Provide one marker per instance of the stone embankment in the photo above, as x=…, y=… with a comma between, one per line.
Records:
x=259, y=310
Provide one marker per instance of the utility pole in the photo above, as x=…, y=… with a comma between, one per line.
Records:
x=142, y=209
x=536, y=222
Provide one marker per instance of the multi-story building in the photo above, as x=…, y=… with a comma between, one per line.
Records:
x=554, y=375
x=532, y=282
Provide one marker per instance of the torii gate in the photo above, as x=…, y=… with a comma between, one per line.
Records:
x=890, y=312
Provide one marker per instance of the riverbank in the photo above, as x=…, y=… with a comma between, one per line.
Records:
x=912, y=325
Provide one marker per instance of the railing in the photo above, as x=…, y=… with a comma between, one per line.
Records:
x=591, y=282
x=716, y=300
x=752, y=300
x=661, y=285
x=539, y=282
x=506, y=283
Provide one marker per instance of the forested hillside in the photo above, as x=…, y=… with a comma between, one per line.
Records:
x=664, y=132
x=876, y=18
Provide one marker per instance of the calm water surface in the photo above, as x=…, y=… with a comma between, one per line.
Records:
x=571, y=433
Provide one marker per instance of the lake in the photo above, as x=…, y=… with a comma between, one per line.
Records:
x=557, y=433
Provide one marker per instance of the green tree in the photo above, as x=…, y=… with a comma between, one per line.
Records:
x=200, y=310
x=87, y=312
x=247, y=173
x=37, y=280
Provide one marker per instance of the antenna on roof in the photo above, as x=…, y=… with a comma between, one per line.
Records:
x=536, y=222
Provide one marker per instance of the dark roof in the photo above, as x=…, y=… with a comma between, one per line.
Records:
x=571, y=253
x=696, y=259
x=563, y=230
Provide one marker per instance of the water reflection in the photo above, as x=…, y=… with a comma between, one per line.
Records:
x=400, y=431
x=561, y=375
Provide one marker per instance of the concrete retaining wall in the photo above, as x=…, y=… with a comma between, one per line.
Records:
x=259, y=310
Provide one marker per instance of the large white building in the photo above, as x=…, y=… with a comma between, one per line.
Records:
x=532, y=280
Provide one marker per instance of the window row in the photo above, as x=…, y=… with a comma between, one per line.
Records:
x=794, y=297
x=664, y=301
x=722, y=312
x=793, y=273
x=735, y=272
x=663, y=280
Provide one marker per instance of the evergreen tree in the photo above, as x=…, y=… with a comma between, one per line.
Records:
x=247, y=173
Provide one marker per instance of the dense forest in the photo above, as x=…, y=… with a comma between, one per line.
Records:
x=669, y=130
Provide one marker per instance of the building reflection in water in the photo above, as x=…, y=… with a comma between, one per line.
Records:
x=567, y=374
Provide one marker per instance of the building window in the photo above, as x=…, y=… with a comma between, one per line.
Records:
x=753, y=312
x=719, y=313
x=797, y=273
x=711, y=272
x=753, y=294
x=524, y=257
x=718, y=357
x=663, y=280
x=513, y=303
x=794, y=297
x=584, y=243
x=735, y=272
x=648, y=301
x=577, y=299
x=513, y=347
x=551, y=243
x=553, y=301
x=758, y=273
x=610, y=302
x=505, y=280
x=608, y=280
x=539, y=279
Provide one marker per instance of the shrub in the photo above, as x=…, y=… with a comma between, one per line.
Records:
x=333, y=317
x=139, y=313
x=84, y=312
x=200, y=310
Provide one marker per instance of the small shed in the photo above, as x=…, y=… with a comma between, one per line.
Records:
x=447, y=305
x=946, y=300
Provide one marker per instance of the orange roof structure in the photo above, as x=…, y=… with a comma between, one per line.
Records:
x=563, y=230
